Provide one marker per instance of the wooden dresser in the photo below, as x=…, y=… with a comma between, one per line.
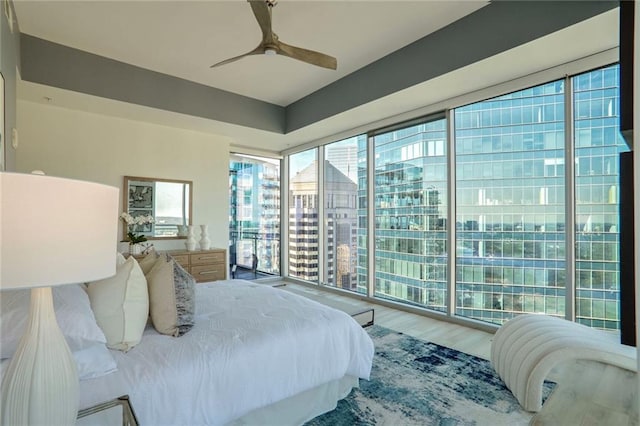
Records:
x=204, y=265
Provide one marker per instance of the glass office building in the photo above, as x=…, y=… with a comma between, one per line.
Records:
x=510, y=205
x=410, y=214
x=512, y=212
x=597, y=145
x=532, y=179
x=340, y=196
x=254, y=213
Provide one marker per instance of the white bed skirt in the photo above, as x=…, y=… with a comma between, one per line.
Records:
x=302, y=407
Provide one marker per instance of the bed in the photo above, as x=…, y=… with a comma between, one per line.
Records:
x=256, y=355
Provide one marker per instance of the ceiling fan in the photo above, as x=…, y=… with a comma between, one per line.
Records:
x=271, y=45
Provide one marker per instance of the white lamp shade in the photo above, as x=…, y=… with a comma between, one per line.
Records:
x=55, y=231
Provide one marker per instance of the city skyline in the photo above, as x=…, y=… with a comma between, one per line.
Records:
x=511, y=215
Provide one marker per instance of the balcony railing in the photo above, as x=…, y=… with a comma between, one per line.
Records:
x=255, y=250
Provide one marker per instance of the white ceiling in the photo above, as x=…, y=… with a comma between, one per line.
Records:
x=184, y=38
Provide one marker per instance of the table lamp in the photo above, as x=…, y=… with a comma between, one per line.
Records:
x=53, y=231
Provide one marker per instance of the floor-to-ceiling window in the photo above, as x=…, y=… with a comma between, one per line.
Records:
x=597, y=147
x=511, y=211
x=510, y=243
x=534, y=228
x=303, y=216
x=345, y=184
x=254, y=213
x=410, y=203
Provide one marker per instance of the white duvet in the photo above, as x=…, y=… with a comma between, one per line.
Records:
x=252, y=345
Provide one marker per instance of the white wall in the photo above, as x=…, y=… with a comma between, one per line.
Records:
x=100, y=148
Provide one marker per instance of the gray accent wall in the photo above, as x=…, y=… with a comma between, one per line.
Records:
x=60, y=66
x=9, y=66
x=493, y=29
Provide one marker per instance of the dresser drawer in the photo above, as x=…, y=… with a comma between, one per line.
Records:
x=208, y=272
x=182, y=259
x=207, y=258
x=203, y=265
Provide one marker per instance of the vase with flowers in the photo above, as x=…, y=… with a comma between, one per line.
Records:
x=135, y=226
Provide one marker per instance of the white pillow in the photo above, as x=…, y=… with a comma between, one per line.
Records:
x=121, y=305
x=73, y=312
x=94, y=361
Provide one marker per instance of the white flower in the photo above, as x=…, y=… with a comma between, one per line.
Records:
x=127, y=218
x=138, y=220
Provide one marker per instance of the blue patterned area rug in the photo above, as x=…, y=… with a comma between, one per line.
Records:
x=414, y=382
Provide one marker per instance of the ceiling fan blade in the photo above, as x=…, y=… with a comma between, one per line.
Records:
x=270, y=43
x=308, y=56
x=262, y=12
x=257, y=51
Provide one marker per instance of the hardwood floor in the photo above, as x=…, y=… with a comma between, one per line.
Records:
x=587, y=393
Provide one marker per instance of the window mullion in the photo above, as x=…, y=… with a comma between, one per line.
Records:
x=451, y=214
x=371, y=218
x=570, y=203
x=321, y=220
x=284, y=216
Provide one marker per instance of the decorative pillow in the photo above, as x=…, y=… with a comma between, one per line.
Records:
x=121, y=305
x=171, y=297
x=73, y=312
x=147, y=262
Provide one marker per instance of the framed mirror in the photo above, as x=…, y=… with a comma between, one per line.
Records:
x=168, y=201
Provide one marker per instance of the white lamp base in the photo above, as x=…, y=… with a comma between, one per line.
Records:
x=40, y=386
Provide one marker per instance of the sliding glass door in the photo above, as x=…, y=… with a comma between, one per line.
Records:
x=254, y=214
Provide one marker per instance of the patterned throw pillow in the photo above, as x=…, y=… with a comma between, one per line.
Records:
x=171, y=297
